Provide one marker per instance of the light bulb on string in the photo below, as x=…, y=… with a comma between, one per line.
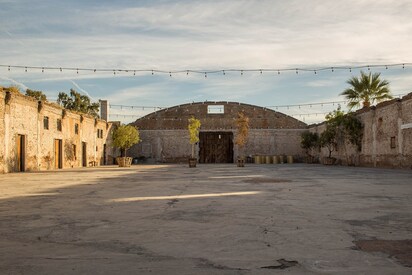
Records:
x=278, y=72
x=315, y=71
x=25, y=69
x=152, y=72
x=224, y=72
x=114, y=72
x=205, y=75
x=61, y=69
x=9, y=68
x=386, y=67
x=261, y=72
x=350, y=70
x=296, y=71
x=332, y=69
x=403, y=66
x=134, y=72
x=369, y=68
x=42, y=70
x=170, y=74
x=187, y=72
x=241, y=72
x=77, y=71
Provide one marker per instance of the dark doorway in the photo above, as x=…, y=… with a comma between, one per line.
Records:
x=104, y=154
x=58, y=154
x=84, y=154
x=216, y=147
x=21, y=153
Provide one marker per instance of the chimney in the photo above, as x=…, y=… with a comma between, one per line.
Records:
x=104, y=110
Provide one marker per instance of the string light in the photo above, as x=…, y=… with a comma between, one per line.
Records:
x=113, y=106
x=241, y=71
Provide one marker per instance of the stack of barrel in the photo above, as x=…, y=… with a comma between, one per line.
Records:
x=259, y=159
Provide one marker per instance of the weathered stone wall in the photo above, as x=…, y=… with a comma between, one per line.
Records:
x=174, y=146
x=165, y=136
x=2, y=132
x=384, y=143
x=23, y=115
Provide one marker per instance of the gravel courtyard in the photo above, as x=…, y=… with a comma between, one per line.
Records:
x=213, y=219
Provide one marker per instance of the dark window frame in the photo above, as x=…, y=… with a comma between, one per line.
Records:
x=46, y=122
x=59, y=125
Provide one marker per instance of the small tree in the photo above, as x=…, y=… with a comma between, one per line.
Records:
x=242, y=125
x=193, y=127
x=39, y=95
x=340, y=128
x=77, y=102
x=328, y=139
x=309, y=141
x=125, y=136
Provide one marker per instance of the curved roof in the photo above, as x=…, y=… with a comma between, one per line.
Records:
x=217, y=115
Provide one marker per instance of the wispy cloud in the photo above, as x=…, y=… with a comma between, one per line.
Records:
x=81, y=89
x=196, y=34
x=14, y=82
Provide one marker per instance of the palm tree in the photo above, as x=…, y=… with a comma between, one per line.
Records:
x=366, y=89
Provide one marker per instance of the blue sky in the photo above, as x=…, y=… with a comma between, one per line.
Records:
x=204, y=35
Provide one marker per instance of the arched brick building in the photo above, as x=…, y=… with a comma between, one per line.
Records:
x=165, y=137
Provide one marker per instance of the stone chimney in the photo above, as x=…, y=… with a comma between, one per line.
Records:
x=104, y=110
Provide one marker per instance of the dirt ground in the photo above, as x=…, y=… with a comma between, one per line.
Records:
x=213, y=219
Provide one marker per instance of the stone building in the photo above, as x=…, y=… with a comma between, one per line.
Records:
x=387, y=136
x=39, y=135
x=165, y=137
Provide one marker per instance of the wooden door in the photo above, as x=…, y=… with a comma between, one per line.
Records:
x=104, y=154
x=21, y=153
x=58, y=154
x=84, y=154
x=216, y=147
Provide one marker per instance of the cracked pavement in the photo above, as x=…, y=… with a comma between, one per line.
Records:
x=213, y=219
